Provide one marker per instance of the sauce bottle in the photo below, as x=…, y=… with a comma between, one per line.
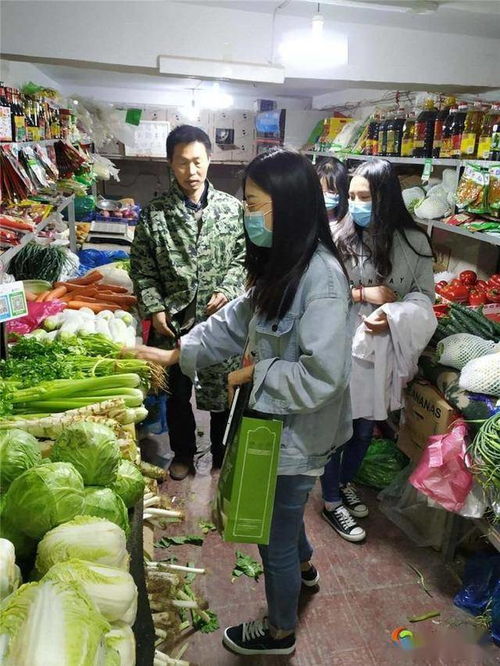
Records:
x=395, y=133
x=472, y=130
x=382, y=135
x=458, y=130
x=372, y=136
x=495, y=141
x=408, y=135
x=483, y=151
x=424, y=130
x=446, y=139
x=439, y=125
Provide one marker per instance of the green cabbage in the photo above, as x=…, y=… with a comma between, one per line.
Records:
x=92, y=448
x=129, y=484
x=112, y=590
x=51, y=624
x=104, y=503
x=121, y=638
x=43, y=497
x=84, y=538
x=18, y=452
x=24, y=545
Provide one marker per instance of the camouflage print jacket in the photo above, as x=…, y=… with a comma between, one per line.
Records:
x=179, y=261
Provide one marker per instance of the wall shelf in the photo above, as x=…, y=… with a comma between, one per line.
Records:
x=476, y=235
x=403, y=160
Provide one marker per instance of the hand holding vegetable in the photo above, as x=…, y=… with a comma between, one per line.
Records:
x=379, y=295
x=377, y=322
x=217, y=302
x=163, y=357
x=161, y=324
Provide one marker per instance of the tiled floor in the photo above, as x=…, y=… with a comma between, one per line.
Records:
x=366, y=591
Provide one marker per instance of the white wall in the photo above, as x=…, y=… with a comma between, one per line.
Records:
x=144, y=30
x=15, y=74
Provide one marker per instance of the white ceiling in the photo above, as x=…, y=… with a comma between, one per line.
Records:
x=474, y=17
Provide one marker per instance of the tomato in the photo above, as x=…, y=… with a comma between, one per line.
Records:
x=477, y=297
x=482, y=285
x=468, y=277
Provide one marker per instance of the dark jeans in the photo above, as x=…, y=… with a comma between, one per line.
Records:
x=288, y=548
x=346, y=461
x=182, y=424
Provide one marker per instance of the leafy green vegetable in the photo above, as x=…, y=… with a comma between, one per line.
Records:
x=93, y=449
x=129, y=484
x=246, y=566
x=166, y=542
x=84, y=538
x=23, y=544
x=121, y=638
x=206, y=526
x=112, y=590
x=51, y=623
x=200, y=623
x=43, y=497
x=18, y=452
x=104, y=503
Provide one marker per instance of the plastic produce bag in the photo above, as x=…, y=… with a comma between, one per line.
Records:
x=480, y=591
x=441, y=473
x=475, y=503
x=382, y=463
x=90, y=259
x=37, y=313
x=156, y=421
x=409, y=510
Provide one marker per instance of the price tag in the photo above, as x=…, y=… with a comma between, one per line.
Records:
x=12, y=301
x=426, y=173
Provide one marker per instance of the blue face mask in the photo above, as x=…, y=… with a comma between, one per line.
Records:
x=361, y=212
x=256, y=228
x=331, y=200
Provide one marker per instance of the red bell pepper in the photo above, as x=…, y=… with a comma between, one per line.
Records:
x=482, y=285
x=468, y=277
x=440, y=285
x=495, y=280
x=478, y=297
x=457, y=294
x=494, y=294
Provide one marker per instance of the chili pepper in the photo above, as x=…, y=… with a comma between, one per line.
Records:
x=468, y=277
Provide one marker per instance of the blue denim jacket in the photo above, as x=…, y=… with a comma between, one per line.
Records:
x=303, y=361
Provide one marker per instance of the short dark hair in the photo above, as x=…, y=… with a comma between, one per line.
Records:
x=187, y=134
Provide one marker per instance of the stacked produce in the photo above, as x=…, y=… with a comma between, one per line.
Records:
x=468, y=289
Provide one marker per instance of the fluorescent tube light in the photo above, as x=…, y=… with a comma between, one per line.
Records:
x=220, y=69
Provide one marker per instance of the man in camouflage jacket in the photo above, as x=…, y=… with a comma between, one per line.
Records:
x=187, y=261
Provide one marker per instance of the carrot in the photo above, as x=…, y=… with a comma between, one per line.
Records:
x=41, y=297
x=95, y=307
x=111, y=287
x=56, y=293
x=30, y=297
x=120, y=299
x=90, y=278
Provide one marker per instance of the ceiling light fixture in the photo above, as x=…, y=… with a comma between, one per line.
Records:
x=318, y=23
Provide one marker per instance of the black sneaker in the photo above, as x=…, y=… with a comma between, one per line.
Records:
x=310, y=578
x=255, y=638
x=351, y=500
x=344, y=524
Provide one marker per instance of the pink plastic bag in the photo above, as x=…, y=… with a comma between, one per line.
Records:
x=37, y=313
x=442, y=472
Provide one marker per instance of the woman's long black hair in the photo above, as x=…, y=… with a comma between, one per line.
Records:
x=335, y=173
x=389, y=215
x=300, y=222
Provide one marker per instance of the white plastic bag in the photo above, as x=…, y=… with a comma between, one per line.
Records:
x=115, y=276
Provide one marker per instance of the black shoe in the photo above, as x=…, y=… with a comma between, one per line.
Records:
x=255, y=638
x=310, y=578
x=344, y=524
x=350, y=498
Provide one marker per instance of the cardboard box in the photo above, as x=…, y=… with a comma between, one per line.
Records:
x=426, y=413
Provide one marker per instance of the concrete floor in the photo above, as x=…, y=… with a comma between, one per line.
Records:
x=366, y=591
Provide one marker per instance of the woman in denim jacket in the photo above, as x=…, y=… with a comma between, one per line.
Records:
x=294, y=324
